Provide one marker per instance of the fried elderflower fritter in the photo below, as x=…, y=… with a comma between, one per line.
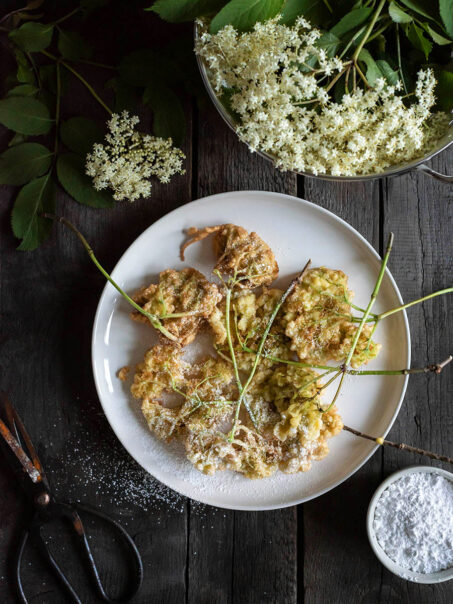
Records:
x=283, y=422
x=182, y=299
x=203, y=391
x=319, y=321
x=249, y=453
x=239, y=254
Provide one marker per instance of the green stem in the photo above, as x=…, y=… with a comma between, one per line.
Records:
x=434, y=368
x=73, y=12
x=289, y=362
x=81, y=78
x=243, y=392
x=372, y=300
x=96, y=64
x=369, y=30
x=334, y=400
x=230, y=343
x=155, y=321
x=383, y=315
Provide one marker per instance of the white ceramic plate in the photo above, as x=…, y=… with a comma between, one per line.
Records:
x=296, y=230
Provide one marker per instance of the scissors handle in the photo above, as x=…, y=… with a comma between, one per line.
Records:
x=70, y=512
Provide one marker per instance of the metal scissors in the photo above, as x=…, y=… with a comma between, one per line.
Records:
x=22, y=456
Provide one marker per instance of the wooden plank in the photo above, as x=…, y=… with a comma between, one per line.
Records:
x=338, y=563
x=239, y=556
x=48, y=301
x=419, y=211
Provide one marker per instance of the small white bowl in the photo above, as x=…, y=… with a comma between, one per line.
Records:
x=409, y=575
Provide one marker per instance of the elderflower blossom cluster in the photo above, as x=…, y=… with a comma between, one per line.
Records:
x=274, y=77
x=128, y=158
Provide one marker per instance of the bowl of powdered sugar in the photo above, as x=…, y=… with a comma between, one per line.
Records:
x=410, y=524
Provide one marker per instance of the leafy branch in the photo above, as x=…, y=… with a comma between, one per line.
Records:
x=48, y=55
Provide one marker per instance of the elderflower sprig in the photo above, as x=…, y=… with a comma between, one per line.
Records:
x=128, y=159
x=278, y=83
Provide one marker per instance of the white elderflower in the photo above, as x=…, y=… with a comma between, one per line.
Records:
x=272, y=75
x=127, y=159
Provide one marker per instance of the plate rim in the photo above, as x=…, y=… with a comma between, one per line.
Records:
x=255, y=192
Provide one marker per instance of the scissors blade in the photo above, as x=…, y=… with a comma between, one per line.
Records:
x=19, y=453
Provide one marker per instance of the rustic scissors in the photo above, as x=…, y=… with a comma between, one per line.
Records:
x=22, y=456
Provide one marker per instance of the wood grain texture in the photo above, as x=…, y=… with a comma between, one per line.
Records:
x=419, y=211
x=239, y=556
x=335, y=541
x=317, y=553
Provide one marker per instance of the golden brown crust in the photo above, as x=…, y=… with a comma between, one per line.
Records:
x=239, y=253
x=185, y=292
x=283, y=423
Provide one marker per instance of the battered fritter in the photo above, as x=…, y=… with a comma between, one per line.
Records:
x=283, y=422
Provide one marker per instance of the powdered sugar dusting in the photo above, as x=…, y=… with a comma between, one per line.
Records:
x=413, y=522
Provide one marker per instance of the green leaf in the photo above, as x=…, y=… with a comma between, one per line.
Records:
x=23, y=90
x=350, y=21
x=446, y=14
x=17, y=139
x=422, y=8
x=438, y=38
x=178, y=11
x=25, y=115
x=25, y=73
x=314, y=11
x=329, y=42
x=243, y=14
x=398, y=15
x=32, y=37
x=22, y=163
x=72, y=46
x=168, y=116
x=79, y=134
x=88, y=6
x=143, y=67
x=72, y=177
x=33, y=199
x=444, y=90
x=373, y=73
x=389, y=74
x=416, y=36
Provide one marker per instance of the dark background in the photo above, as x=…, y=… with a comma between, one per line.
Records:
x=313, y=553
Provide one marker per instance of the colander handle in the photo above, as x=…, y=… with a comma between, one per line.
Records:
x=437, y=175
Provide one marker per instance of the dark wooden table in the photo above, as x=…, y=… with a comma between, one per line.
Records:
x=313, y=553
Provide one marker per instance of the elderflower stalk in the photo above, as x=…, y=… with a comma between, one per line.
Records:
x=154, y=319
x=290, y=115
x=257, y=359
x=127, y=159
x=364, y=319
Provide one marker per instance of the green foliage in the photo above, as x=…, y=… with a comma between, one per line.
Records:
x=80, y=133
x=397, y=14
x=444, y=90
x=25, y=115
x=32, y=36
x=314, y=11
x=351, y=21
x=418, y=39
x=168, y=115
x=72, y=177
x=243, y=14
x=446, y=13
x=23, y=90
x=36, y=197
x=72, y=46
x=178, y=11
x=23, y=162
